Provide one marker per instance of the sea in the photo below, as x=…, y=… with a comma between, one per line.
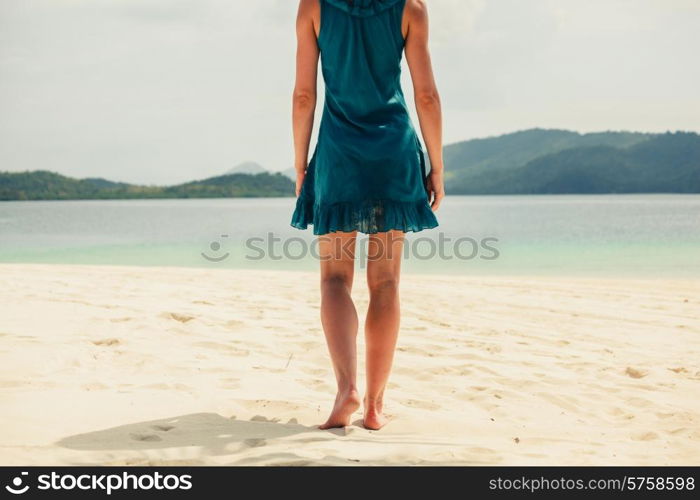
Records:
x=631, y=235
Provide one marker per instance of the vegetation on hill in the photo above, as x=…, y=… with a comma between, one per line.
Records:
x=44, y=185
x=549, y=162
x=533, y=161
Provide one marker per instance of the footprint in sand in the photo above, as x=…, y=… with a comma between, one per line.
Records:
x=417, y=328
x=145, y=437
x=10, y=384
x=424, y=405
x=231, y=349
x=167, y=387
x=234, y=324
x=308, y=345
x=163, y=428
x=230, y=383
x=317, y=384
x=182, y=318
x=94, y=386
x=682, y=430
x=261, y=418
x=646, y=436
x=416, y=350
x=639, y=402
x=565, y=402
x=316, y=372
x=255, y=442
x=107, y=342
x=665, y=415
x=433, y=348
x=635, y=373
x=268, y=406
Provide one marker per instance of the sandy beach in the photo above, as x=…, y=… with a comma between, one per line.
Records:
x=178, y=366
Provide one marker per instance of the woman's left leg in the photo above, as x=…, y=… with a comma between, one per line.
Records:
x=340, y=322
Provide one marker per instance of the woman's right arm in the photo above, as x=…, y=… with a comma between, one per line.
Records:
x=427, y=98
x=304, y=97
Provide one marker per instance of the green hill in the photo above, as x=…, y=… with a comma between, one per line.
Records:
x=44, y=185
x=533, y=161
x=560, y=161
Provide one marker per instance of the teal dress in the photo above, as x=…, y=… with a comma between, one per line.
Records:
x=367, y=172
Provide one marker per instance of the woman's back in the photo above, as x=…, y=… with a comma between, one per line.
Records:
x=367, y=172
x=361, y=49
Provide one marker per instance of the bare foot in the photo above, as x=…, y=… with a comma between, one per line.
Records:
x=374, y=417
x=345, y=405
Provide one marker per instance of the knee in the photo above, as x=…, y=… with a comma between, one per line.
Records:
x=383, y=284
x=335, y=280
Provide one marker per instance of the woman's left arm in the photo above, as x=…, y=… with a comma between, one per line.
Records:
x=304, y=97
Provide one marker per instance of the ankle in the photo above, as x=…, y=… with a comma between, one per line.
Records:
x=347, y=390
x=373, y=403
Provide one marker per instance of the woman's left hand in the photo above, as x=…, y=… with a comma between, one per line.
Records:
x=300, y=181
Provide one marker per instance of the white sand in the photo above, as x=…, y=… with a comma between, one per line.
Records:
x=126, y=365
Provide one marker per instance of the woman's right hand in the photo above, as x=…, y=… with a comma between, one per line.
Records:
x=436, y=189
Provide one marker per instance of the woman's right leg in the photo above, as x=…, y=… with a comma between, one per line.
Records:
x=382, y=324
x=339, y=320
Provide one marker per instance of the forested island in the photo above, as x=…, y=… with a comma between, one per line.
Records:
x=44, y=185
x=535, y=161
x=562, y=162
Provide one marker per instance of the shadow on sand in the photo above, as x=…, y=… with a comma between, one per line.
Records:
x=210, y=431
x=215, y=435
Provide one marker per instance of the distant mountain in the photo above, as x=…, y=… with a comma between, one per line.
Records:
x=541, y=161
x=248, y=167
x=45, y=185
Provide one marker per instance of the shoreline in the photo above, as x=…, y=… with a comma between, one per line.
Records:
x=554, y=275
x=293, y=197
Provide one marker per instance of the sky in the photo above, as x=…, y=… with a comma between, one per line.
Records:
x=167, y=91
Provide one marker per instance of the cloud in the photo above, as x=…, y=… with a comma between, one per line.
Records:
x=169, y=90
x=452, y=21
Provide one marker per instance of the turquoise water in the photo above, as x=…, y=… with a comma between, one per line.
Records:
x=599, y=235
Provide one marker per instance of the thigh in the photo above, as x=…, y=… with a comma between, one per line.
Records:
x=384, y=256
x=337, y=255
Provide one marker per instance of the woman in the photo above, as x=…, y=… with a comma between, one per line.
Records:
x=367, y=173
